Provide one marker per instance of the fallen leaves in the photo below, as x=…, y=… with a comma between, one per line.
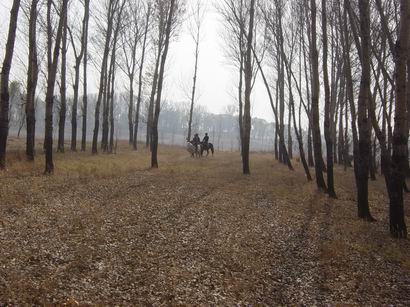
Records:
x=194, y=232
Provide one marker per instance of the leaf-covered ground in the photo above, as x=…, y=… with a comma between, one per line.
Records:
x=107, y=230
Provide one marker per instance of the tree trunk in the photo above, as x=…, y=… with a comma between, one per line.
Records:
x=191, y=110
x=74, y=108
x=32, y=78
x=276, y=122
x=78, y=58
x=152, y=98
x=4, y=83
x=341, y=140
x=85, y=60
x=281, y=105
x=297, y=133
x=137, y=111
x=346, y=148
x=248, y=89
x=63, y=97
x=154, y=151
x=112, y=87
x=106, y=109
x=112, y=122
x=290, y=142
x=131, y=112
x=328, y=120
x=103, y=76
x=51, y=78
x=362, y=113
x=398, y=227
x=317, y=142
x=279, y=132
x=240, y=101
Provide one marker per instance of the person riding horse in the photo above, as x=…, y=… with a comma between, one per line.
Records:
x=205, y=140
x=206, y=146
x=196, y=141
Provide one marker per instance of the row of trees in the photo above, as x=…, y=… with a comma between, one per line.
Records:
x=339, y=65
x=346, y=60
x=121, y=34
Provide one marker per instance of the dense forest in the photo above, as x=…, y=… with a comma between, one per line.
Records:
x=336, y=74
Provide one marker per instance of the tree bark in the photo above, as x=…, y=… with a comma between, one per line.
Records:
x=85, y=62
x=191, y=109
x=290, y=141
x=297, y=133
x=111, y=9
x=328, y=120
x=248, y=90
x=137, y=111
x=152, y=98
x=131, y=112
x=4, y=83
x=51, y=78
x=279, y=132
x=78, y=59
x=362, y=113
x=32, y=78
x=398, y=228
x=240, y=100
x=154, y=151
x=317, y=142
x=341, y=140
x=63, y=89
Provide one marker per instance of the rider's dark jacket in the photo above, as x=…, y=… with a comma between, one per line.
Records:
x=196, y=140
x=205, y=140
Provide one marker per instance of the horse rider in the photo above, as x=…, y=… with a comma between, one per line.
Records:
x=205, y=140
x=196, y=141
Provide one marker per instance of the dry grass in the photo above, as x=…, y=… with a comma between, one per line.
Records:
x=107, y=230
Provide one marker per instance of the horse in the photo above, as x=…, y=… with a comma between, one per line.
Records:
x=192, y=149
x=207, y=147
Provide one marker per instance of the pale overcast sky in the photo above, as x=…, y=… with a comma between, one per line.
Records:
x=217, y=80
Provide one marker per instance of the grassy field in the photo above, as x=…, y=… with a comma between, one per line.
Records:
x=108, y=230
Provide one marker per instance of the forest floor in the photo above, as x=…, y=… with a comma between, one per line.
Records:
x=108, y=230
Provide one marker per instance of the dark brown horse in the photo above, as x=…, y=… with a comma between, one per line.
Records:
x=207, y=147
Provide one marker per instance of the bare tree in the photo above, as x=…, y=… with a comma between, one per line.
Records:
x=84, y=43
x=173, y=10
x=32, y=77
x=161, y=15
x=52, y=62
x=317, y=142
x=195, y=31
x=78, y=58
x=130, y=38
x=362, y=114
x=63, y=89
x=240, y=17
x=328, y=120
x=4, y=82
x=109, y=83
x=140, y=77
x=111, y=9
x=398, y=227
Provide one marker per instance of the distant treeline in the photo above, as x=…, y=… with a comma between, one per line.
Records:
x=173, y=126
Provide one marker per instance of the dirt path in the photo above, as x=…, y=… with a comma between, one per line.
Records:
x=194, y=232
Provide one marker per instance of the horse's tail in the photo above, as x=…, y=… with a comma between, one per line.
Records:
x=212, y=148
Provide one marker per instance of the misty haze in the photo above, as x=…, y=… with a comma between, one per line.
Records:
x=204, y=152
